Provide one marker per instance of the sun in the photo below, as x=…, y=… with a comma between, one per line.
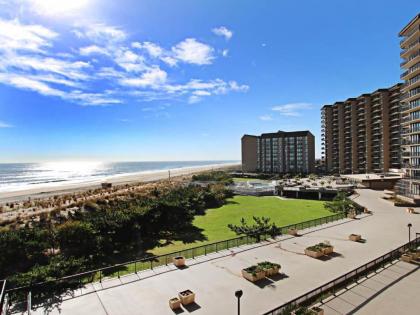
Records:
x=57, y=7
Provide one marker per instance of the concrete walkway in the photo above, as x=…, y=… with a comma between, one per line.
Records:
x=394, y=290
x=215, y=281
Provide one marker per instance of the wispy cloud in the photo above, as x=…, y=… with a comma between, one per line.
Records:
x=223, y=31
x=291, y=109
x=5, y=125
x=266, y=117
x=103, y=66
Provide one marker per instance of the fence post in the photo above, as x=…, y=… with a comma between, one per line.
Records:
x=205, y=250
x=100, y=275
x=216, y=247
x=151, y=264
x=135, y=266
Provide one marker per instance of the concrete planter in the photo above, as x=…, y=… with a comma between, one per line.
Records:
x=406, y=258
x=293, y=232
x=186, y=297
x=351, y=215
x=328, y=250
x=253, y=277
x=179, y=261
x=355, y=237
x=271, y=271
x=314, y=254
x=317, y=310
x=174, y=303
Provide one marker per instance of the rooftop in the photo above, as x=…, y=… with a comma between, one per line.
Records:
x=215, y=277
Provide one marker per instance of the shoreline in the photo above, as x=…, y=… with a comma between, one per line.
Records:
x=53, y=189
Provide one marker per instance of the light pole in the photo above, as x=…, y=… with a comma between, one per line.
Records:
x=238, y=294
x=409, y=225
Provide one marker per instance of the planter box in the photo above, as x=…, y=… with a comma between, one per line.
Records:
x=355, y=237
x=179, y=261
x=251, y=277
x=174, y=303
x=351, y=215
x=293, y=232
x=406, y=258
x=186, y=297
x=317, y=310
x=414, y=255
x=272, y=271
x=328, y=250
x=314, y=254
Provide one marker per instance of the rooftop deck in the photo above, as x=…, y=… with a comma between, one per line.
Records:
x=214, y=278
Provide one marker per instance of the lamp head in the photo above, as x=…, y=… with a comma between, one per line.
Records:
x=409, y=225
x=239, y=293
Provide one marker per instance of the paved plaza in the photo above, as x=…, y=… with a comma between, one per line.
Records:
x=215, y=278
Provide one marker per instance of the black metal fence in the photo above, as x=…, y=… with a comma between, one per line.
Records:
x=341, y=282
x=42, y=290
x=3, y=303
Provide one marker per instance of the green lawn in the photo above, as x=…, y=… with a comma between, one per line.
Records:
x=282, y=212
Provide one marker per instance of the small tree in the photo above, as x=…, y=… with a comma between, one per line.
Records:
x=340, y=203
x=261, y=226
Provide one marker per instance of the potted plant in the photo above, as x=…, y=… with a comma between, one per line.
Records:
x=314, y=251
x=351, y=214
x=186, y=297
x=355, y=237
x=174, y=303
x=293, y=232
x=253, y=273
x=179, y=261
x=269, y=268
x=326, y=247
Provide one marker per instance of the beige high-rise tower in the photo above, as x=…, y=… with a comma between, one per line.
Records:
x=410, y=53
x=362, y=135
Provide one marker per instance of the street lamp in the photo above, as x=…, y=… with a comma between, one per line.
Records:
x=409, y=225
x=238, y=294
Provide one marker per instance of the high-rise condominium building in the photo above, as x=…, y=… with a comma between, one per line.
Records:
x=410, y=53
x=362, y=134
x=279, y=152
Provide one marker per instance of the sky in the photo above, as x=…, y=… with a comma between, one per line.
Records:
x=142, y=80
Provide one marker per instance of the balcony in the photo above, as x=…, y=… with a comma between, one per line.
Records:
x=406, y=52
x=409, y=37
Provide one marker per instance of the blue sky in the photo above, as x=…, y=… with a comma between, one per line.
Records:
x=182, y=80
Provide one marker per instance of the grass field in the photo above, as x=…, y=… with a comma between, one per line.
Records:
x=282, y=212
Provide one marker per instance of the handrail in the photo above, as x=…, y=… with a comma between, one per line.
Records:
x=161, y=260
x=348, y=277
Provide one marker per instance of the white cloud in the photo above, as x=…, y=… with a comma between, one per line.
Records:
x=93, y=49
x=291, y=109
x=17, y=36
x=266, y=117
x=225, y=52
x=30, y=60
x=5, y=125
x=192, y=51
x=152, y=78
x=223, y=31
x=152, y=49
x=101, y=33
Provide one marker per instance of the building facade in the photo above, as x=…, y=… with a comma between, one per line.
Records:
x=410, y=53
x=363, y=134
x=279, y=152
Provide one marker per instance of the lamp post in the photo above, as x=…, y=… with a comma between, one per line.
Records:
x=409, y=225
x=238, y=294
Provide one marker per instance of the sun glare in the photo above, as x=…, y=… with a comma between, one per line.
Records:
x=56, y=7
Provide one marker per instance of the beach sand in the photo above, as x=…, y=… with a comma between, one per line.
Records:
x=48, y=190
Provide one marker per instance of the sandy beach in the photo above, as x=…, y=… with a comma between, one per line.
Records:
x=52, y=189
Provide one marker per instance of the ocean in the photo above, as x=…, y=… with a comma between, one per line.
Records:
x=20, y=176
